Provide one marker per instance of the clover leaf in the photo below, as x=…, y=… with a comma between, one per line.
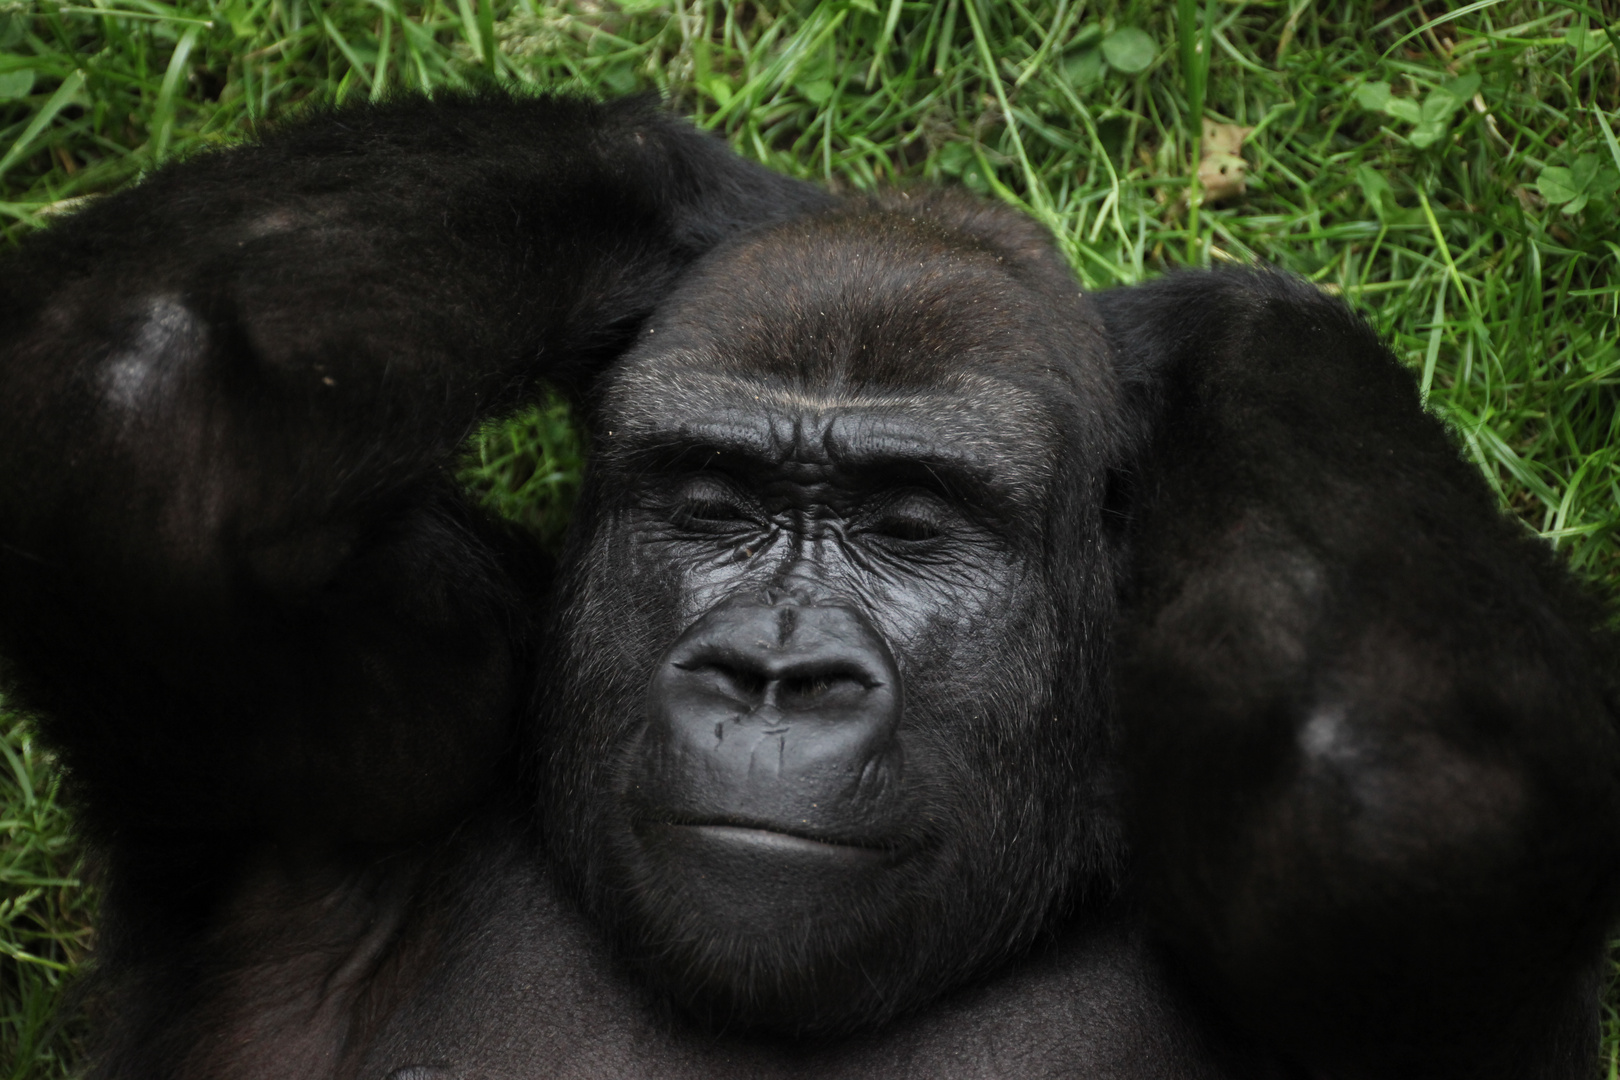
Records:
x=1084, y=67
x=1091, y=53
x=1129, y=50
x=16, y=84
x=1586, y=178
x=1431, y=118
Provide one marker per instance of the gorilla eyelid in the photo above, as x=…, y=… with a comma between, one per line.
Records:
x=908, y=528
x=706, y=502
x=911, y=517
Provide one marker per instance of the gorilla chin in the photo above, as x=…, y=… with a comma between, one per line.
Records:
x=755, y=928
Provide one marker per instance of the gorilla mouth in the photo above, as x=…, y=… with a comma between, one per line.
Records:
x=768, y=837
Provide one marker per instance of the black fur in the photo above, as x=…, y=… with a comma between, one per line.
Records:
x=948, y=674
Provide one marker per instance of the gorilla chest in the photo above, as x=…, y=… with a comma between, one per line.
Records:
x=530, y=993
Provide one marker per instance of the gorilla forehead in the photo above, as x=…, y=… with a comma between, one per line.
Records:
x=886, y=296
x=895, y=328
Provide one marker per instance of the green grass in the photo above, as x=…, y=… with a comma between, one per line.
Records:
x=45, y=910
x=1457, y=182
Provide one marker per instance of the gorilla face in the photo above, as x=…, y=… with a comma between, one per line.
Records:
x=806, y=759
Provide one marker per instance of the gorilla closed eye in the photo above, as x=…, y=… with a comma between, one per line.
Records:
x=712, y=510
x=973, y=761
x=913, y=518
x=914, y=530
x=709, y=509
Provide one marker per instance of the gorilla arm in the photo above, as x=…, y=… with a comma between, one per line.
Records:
x=1374, y=773
x=234, y=576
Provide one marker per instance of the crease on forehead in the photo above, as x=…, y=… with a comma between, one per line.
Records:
x=993, y=426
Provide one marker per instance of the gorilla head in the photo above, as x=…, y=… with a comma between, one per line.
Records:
x=806, y=756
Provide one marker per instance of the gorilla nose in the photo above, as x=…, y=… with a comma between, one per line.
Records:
x=780, y=715
x=785, y=659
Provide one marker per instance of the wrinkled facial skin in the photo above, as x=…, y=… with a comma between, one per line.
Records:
x=827, y=735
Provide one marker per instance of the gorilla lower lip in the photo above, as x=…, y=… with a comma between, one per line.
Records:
x=749, y=880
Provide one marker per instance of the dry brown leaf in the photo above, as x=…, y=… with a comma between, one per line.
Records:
x=1222, y=171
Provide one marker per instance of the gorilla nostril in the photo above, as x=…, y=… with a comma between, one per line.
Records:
x=820, y=689
x=795, y=692
x=731, y=680
x=749, y=685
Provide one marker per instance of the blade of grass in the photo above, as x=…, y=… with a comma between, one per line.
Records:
x=1436, y=326
x=1036, y=191
x=163, y=112
x=41, y=120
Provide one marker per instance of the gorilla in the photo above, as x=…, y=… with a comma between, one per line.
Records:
x=947, y=673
